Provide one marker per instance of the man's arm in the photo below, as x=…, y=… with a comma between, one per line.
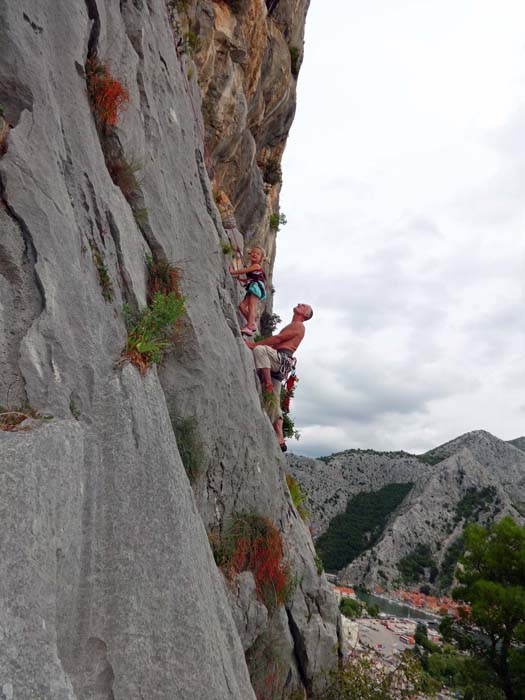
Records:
x=287, y=333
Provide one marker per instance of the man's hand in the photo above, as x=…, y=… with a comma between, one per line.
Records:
x=250, y=344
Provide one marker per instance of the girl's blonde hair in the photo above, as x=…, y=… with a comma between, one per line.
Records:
x=259, y=247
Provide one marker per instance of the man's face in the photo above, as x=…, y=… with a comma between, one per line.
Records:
x=304, y=310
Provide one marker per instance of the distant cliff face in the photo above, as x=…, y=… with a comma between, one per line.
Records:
x=109, y=585
x=475, y=477
x=248, y=54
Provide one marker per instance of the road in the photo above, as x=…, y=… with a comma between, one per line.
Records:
x=372, y=633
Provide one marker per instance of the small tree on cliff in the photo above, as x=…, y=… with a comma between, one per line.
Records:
x=492, y=581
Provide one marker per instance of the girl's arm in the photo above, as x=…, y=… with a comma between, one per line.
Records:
x=244, y=270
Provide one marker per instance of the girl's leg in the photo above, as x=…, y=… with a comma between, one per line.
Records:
x=252, y=303
x=243, y=307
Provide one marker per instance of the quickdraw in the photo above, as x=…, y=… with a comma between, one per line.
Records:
x=289, y=388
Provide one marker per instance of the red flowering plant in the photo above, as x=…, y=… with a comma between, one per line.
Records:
x=107, y=95
x=250, y=542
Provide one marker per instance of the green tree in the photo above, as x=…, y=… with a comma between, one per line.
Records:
x=350, y=607
x=373, y=609
x=363, y=678
x=422, y=640
x=360, y=526
x=492, y=581
x=413, y=567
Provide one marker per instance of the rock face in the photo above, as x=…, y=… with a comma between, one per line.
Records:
x=248, y=56
x=519, y=443
x=505, y=461
x=476, y=476
x=109, y=587
x=429, y=517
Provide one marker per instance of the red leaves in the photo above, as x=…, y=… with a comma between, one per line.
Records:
x=254, y=544
x=271, y=573
x=108, y=97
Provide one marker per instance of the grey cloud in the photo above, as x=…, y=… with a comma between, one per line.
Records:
x=497, y=202
x=510, y=138
x=498, y=333
x=426, y=335
x=411, y=224
x=363, y=392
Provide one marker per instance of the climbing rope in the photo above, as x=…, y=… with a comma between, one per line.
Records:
x=177, y=41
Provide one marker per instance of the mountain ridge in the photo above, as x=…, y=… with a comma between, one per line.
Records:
x=475, y=476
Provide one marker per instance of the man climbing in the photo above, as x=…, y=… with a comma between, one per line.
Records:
x=273, y=360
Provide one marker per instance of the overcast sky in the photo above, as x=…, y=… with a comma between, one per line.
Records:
x=404, y=189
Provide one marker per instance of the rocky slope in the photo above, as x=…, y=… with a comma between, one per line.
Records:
x=505, y=461
x=109, y=586
x=431, y=517
x=474, y=477
x=519, y=443
x=331, y=481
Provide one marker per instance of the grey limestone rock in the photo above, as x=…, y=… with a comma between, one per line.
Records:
x=250, y=615
x=109, y=588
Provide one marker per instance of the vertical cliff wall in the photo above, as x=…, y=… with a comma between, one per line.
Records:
x=108, y=585
x=248, y=54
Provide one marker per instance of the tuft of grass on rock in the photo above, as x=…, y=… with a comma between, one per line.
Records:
x=10, y=419
x=152, y=332
x=103, y=275
x=190, y=446
x=298, y=496
x=124, y=175
x=74, y=409
x=140, y=215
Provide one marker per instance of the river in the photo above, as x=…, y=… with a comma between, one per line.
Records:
x=397, y=609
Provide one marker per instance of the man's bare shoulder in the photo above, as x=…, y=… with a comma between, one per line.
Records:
x=294, y=326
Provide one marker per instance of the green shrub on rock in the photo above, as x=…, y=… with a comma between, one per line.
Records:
x=151, y=333
x=189, y=444
x=350, y=607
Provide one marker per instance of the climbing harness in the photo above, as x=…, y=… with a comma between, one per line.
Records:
x=287, y=364
x=256, y=284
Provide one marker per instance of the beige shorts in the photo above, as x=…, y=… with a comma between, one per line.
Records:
x=266, y=357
